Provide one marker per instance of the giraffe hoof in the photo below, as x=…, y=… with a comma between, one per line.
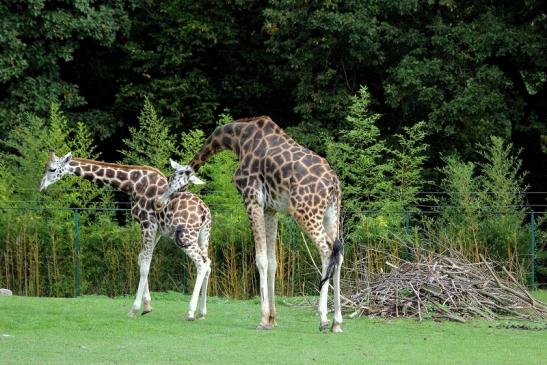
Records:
x=131, y=314
x=263, y=327
x=190, y=318
x=146, y=312
x=272, y=322
x=324, y=326
x=336, y=328
x=200, y=317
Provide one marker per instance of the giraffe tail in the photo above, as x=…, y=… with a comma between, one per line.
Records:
x=178, y=240
x=334, y=261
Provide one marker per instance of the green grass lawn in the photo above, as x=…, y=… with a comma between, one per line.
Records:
x=96, y=330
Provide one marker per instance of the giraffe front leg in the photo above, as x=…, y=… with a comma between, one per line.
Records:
x=256, y=216
x=144, y=268
x=147, y=299
x=262, y=265
x=145, y=257
x=203, y=242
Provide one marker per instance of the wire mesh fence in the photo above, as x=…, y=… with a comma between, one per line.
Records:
x=66, y=251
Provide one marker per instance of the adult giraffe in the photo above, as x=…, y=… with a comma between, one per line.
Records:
x=276, y=174
x=185, y=218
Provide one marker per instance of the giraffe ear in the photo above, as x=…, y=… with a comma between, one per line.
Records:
x=196, y=180
x=67, y=157
x=175, y=165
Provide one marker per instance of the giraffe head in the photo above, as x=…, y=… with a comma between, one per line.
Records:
x=178, y=181
x=56, y=168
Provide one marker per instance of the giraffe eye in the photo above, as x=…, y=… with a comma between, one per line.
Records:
x=51, y=170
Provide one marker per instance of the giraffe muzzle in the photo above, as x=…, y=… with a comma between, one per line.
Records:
x=42, y=186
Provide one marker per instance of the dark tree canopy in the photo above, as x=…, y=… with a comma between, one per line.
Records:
x=40, y=43
x=468, y=69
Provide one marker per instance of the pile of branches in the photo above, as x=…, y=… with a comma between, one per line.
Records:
x=443, y=286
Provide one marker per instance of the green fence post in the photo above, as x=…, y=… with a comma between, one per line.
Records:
x=407, y=221
x=533, y=250
x=77, y=240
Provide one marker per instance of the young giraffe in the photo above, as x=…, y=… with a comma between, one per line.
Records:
x=276, y=174
x=185, y=218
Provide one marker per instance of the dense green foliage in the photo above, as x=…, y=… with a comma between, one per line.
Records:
x=378, y=176
x=40, y=60
x=481, y=213
x=467, y=69
x=486, y=208
x=151, y=143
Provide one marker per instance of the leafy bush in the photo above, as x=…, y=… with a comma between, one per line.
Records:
x=482, y=211
x=485, y=209
x=379, y=179
x=151, y=143
x=38, y=231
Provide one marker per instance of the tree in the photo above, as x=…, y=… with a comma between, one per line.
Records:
x=325, y=51
x=467, y=69
x=38, y=40
x=358, y=156
x=379, y=179
x=27, y=148
x=484, y=208
x=151, y=143
x=195, y=58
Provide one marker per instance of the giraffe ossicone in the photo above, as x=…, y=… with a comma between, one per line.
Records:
x=276, y=174
x=184, y=218
x=178, y=181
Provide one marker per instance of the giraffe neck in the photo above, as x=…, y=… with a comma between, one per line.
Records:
x=240, y=137
x=223, y=138
x=133, y=180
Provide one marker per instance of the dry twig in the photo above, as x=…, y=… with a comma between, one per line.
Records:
x=447, y=286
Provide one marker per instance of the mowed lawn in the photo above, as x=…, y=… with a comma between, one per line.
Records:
x=96, y=330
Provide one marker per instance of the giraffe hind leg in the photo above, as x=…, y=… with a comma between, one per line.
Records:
x=270, y=220
x=203, y=242
x=144, y=267
x=312, y=224
x=188, y=240
x=337, y=323
x=203, y=268
x=330, y=223
x=146, y=297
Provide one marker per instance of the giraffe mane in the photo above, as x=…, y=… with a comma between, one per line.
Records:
x=122, y=166
x=251, y=119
